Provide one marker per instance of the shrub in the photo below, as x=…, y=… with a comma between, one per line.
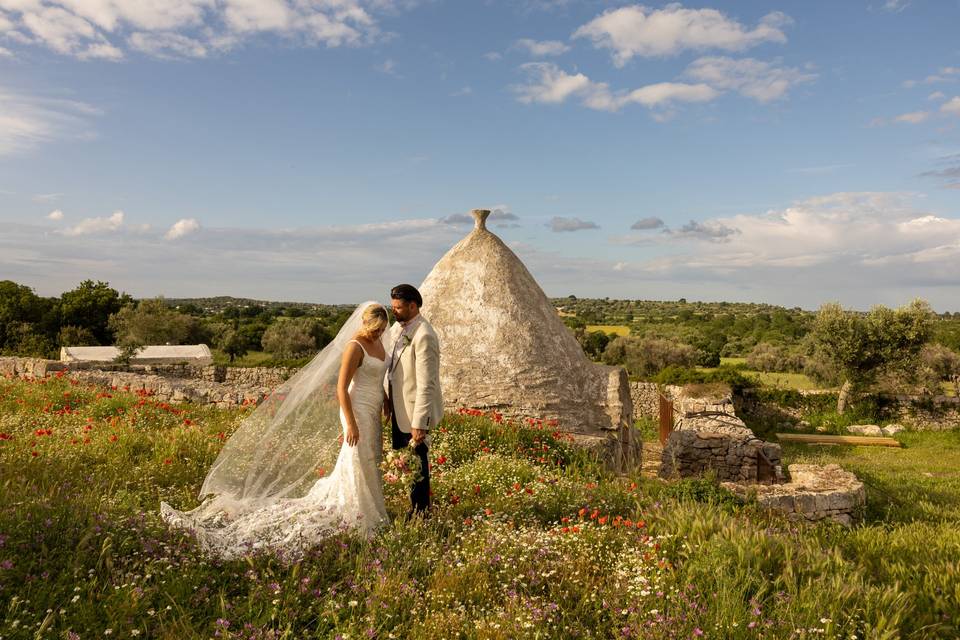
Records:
x=730, y=374
x=152, y=322
x=769, y=357
x=647, y=356
x=290, y=338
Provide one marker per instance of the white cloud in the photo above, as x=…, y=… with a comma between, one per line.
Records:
x=388, y=66
x=859, y=248
x=952, y=106
x=560, y=224
x=914, y=117
x=27, y=121
x=549, y=84
x=542, y=48
x=55, y=215
x=463, y=91
x=640, y=31
x=646, y=224
x=5, y=53
x=167, y=45
x=936, y=95
x=181, y=228
x=895, y=6
x=89, y=226
x=841, y=236
x=944, y=74
x=46, y=197
x=109, y=29
x=762, y=81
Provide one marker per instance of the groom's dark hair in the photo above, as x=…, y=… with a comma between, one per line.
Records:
x=407, y=293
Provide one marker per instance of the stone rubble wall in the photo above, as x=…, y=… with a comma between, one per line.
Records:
x=212, y=384
x=813, y=493
x=646, y=397
x=732, y=457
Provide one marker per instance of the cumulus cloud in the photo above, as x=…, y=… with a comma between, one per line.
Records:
x=641, y=31
x=541, y=48
x=549, y=84
x=181, y=228
x=711, y=231
x=110, y=29
x=559, y=224
x=762, y=81
x=89, y=226
x=55, y=215
x=835, y=236
x=27, y=121
x=645, y=224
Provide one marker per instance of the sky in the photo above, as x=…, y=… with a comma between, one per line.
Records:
x=793, y=153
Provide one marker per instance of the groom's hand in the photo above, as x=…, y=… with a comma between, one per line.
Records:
x=418, y=435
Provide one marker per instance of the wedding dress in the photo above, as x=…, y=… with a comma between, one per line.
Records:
x=259, y=500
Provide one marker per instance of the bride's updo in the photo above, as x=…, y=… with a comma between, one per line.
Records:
x=374, y=321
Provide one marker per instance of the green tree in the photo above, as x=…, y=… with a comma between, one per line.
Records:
x=861, y=346
x=940, y=364
x=76, y=337
x=151, y=322
x=594, y=343
x=90, y=306
x=290, y=338
x=647, y=356
x=28, y=322
x=232, y=343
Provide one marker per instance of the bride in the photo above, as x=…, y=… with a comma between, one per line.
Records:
x=269, y=487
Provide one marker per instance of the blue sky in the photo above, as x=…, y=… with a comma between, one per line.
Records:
x=321, y=150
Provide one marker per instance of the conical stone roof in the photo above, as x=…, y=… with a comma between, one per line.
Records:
x=504, y=348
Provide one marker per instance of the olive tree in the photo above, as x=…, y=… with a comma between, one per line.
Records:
x=861, y=346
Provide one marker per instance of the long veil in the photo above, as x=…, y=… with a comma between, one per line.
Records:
x=289, y=441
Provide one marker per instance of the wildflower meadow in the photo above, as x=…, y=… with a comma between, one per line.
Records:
x=529, y=538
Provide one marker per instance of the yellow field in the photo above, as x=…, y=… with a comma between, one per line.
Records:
x=619, y=329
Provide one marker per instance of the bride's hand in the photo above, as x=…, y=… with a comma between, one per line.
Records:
x=353, y=435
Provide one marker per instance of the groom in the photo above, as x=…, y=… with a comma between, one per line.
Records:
x=413, y=401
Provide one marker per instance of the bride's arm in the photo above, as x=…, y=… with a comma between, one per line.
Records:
x=352, y=356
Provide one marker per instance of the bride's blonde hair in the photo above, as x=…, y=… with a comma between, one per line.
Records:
x=374, y=320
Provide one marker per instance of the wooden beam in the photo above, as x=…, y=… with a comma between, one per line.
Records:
x=869, y=441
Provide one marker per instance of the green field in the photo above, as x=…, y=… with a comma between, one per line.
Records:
x=529, y=539
x=617, y=329
x=255, y=359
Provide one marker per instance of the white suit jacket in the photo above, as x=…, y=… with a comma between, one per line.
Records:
x=415, y=376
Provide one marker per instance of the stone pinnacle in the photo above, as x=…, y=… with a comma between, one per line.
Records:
x=480, y=215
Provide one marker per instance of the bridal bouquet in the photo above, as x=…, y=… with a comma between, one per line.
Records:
x=402, y=467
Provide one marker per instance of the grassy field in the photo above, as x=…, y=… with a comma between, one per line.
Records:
x=529, y=539
x=255, y=359
x=617, y=329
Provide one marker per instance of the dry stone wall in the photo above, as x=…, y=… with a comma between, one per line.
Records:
x=213, y=384
x=813, y=493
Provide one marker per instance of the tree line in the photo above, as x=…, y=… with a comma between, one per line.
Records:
x=906, y=349
x=94, y=314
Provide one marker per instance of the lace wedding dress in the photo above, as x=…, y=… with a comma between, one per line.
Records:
x=351, y=496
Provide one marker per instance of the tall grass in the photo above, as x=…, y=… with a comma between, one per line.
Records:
x=530, y=538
